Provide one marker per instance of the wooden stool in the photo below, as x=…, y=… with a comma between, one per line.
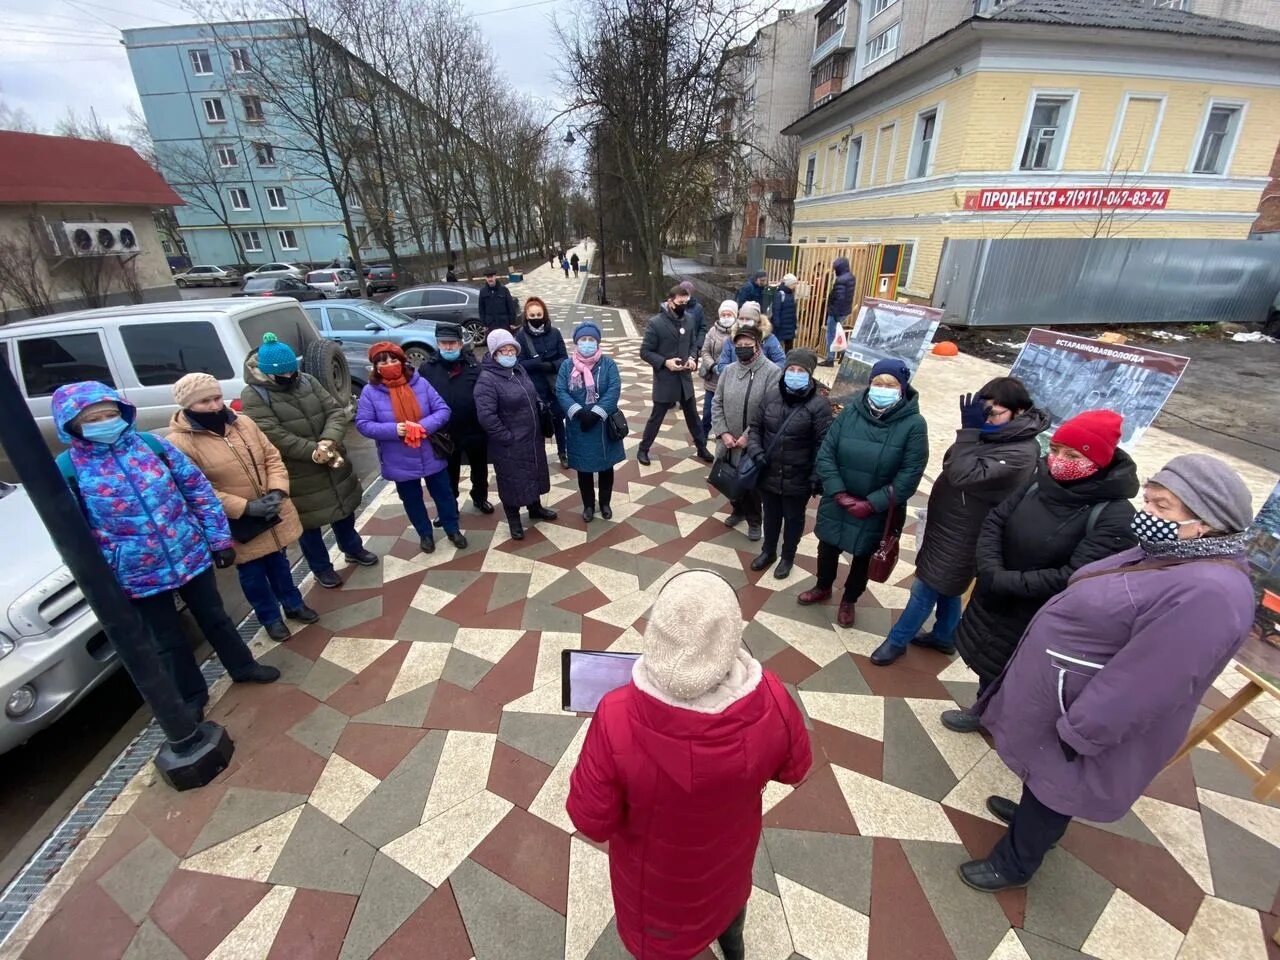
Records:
x=1266, y=782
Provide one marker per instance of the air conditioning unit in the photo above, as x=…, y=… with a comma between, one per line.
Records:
x=96, y=239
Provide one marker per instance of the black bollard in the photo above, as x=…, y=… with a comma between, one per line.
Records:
x=193, y=754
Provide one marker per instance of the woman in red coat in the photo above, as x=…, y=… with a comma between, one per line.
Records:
x=672, y=772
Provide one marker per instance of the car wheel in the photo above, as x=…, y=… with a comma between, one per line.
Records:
x=324, y=360
x=182, y=284
x=418, y=355
x=473, y=333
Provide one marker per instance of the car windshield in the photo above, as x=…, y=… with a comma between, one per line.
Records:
x=386, y=314
x=260, y=283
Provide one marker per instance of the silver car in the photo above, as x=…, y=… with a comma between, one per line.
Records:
x=334, y=282
x=208, y=275
x=277, y=270
x=52, y=650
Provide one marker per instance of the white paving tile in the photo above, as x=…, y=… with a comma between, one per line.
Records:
x=250, y=855
x=958, y=672
x=1127, y=929
x=1010, y=948
x=717, y=553
x=342, y=787
x=961, y=753
x=988, y=776
x=1259, y=819
x=550, y=645
x=688, y=522
x=463, y=771
x=565, y=538
x=545, y=699
x=614, y=584
x=590, y=899
x=434, y=849
x=549, y=803
x=862, y=714
x=766, y=935
x=393, y=568
x=486, y=643
x=355, y=653
x=883, y=810
x=431, y=599
x=821, y=928
x=774, y=794
x=252, y=937
x=423, y=664
x=820, y=645
x=1182, y=833
x=500, y=561
x=542, y=576
x=1222, y=929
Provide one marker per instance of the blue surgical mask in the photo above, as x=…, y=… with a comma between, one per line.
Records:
x=451, y=355
x=508, y=360
x=881, y=397
x=795, y=380
x=104, y=431
x=587, y=348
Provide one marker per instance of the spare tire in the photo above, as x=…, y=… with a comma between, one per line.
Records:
x=323, y=359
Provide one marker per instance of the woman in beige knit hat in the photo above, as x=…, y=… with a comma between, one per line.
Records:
x=673, y=768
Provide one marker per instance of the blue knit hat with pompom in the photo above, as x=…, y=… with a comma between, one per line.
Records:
x=276, y=358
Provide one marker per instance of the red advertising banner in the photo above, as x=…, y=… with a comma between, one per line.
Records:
x=1066, y=198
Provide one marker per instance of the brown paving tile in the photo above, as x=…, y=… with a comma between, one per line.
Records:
x=531, y=854
x=792, y=666
x=324, y=601
x=900, y=681
x=396, y=599
x=198, y=910
x=314, y=926
x=437, y=923
x=1176, y=784
x=377, y=748
x=570, y=559
x=469, y=560
x=817, y=804
x=176, y=819
x=256, y=715
x=752, y=598
x=384, y=526
x=371, y=685
x=512, y=676
x=895, y=894
x=128, y=833
x=309, y=642
x=670, y=552
x=404, y=550
x=453, y=708
x=848, y=749
x=1147, y=873
x=510, y=617
x=583, y=603
x=472, y=604
x=515, y=775
x=979, y=837
x=597, y=635
x=86, y=925
x=284, y=765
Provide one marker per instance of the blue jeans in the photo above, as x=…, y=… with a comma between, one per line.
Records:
x=313, y=548
x=268, y=584
x=415, y=507
x=923, y=601
x=708, y=398
x=832, y=320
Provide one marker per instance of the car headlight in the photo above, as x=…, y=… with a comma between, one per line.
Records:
x=6, y=646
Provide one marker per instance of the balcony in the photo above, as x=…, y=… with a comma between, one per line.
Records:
x=832, y=33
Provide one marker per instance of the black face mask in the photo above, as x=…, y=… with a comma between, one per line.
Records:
x=286, y=379
x=215, y=422
x=745, y=354
x=677, y=309
x=537, y=326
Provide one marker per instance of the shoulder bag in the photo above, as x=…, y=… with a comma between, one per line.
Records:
x=880, y=568
x=725, y=476
x=751, y=469
x=616, y=426
x=442, y=444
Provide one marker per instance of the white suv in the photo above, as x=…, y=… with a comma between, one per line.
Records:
x=277, y=270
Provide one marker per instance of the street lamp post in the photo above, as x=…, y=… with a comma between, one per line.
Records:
x=569, y=139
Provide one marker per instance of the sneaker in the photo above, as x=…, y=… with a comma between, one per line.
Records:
x=427, y=544
x=329, y=579
x=303, y=614
x=754, y=532
x=365, y=558
x=814, y=595
x=258, y=673
x=930, y=641
x=458, y=540
x=735, y=518
x=277, y=631
x=961, y=721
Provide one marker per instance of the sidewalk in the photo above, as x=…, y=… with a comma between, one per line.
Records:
x=401, y=792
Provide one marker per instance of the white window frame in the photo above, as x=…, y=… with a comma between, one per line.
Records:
x=893, y=153
x=1129, y=97
x=1065, y=125
x=240, y=60
x=857, y=170
x=904, y=283
x=283, y=235
x=877, y=7
x=227, y=153
x=245, y=98
x=251, y=240
x=208, y=114
x=235, y=193
x=896, y=28
x=271, y=204
x=198, y=57
x=810, y=178
x=1241, y=106
x=913, y=155
x=260, y=149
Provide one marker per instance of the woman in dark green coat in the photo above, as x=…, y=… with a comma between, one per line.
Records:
x=874, y=454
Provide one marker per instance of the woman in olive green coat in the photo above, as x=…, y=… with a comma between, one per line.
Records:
x=873, y=455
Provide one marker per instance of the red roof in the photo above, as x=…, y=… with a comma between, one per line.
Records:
x=38, y=169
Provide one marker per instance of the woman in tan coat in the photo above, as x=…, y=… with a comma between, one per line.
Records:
x=252, y=483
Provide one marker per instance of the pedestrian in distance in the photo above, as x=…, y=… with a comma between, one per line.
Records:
x=1074, y=510
x=497, y=306
x=400, y=411
x=451, y=275
x=564, y=265
x=252, y=484
x=453, y=373
x=749, y=316
x=588, y=388
x=786, y=433
x=755, y=289
x=995, y=453
x=542, y=351
x=573, y=262
x=694, y=312
x=161, y=528
x=1110, y=672
x=839, y=302
x=740, y=393
x=507, y=408
x=308, y=426
x=673, y=768
x=671, y=349
x=870, y=464
x=784, y=311
x=717, y=338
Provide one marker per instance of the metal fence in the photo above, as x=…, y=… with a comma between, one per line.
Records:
x=1058, y=281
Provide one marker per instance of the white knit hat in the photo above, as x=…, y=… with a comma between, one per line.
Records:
x=749, y=312
x=500, y=338
x=728, y=306
x=694, y=633
x=790, y=280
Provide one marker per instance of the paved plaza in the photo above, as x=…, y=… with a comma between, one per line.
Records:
x=400, y=793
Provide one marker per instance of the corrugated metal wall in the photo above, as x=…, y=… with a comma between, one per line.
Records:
x=1056, y=281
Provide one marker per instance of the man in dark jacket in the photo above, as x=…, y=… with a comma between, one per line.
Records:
x=451, y=275
x=755, y=288
x=452, y=373
x=573, y=262
x=839, y=302
x=670, y=348
x=994, y=454
x=542, y=351
x=497, y=306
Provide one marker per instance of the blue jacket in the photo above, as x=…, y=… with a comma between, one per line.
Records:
x=591, y=451
x=772, y=348
x=698, y=318
x=751, y=291
x=784, y=314
x=840, y=299
x=156, y=519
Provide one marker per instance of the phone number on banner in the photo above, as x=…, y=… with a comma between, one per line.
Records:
x=1067, y=198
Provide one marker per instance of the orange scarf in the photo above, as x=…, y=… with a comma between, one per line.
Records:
x=404, y=402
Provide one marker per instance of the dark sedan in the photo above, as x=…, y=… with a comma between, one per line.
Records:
x=444, y=303
x=278, y=287
x=379, y=277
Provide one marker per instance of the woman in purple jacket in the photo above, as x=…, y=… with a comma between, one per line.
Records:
x=401, y=411
x=1105, y=683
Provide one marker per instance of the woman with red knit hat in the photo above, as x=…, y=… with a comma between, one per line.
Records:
x=1075, y=509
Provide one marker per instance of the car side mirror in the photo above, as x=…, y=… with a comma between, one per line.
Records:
x=372, y=326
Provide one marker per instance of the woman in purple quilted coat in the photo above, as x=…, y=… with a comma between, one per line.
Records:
x=1106, y=680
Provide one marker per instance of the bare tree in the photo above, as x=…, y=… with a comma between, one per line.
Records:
x=16, y=119
x=72, y=124
x=24, y=281
x=197, y=178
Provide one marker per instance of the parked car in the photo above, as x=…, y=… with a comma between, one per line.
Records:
x=52, y=650
x=445, y=303
x=334, y=283
x=278, y=287
x=379, y=277
x=366, y=322
x=142, y=349
x=208, y=275
x=277, y=270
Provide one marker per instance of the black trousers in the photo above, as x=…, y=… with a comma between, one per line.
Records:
x=749, y=506
x=788, y=345
x=731, y=940
x=160, y=614
x=587, y=487
x=689, y=406
x=513, y=512
x=783, y=515
x=829, y=563
x=1034, y=830
x=477, y=454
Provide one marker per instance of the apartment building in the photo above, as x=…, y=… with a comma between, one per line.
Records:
x=1047, y=118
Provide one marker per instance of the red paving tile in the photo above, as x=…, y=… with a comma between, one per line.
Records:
x=128, y=833
x=377, y=748
x=396, y=598
x=472, y=605
x=792, y=666
x=198, y=910
x=516, y=775
x=327, y=601
x=979, y=837
x=583, y=603
x=86, y=925
x=256, y=715
x=370, y=687
x=753, y=598
x=847, y=749
x=1176, y=784
x=597, y=635
x=509, y=617
x=384, y=526
x=453, y=708
x=900, y=681
x=531, y=854
x=283, y=764
x=896, y=894
x=310, y=641
x=314, y=926
x=512, y=676
x=404, y=550
x=817, y=804
x=673, y=551
x=176, y=819
x=436, y=923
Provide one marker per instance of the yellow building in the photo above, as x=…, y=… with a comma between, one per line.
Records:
x=1049, y=118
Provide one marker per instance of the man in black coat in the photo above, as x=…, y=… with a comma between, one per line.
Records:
x=497, y=306
x=452, y=372
x=669, y=346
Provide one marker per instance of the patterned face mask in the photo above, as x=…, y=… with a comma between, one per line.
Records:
x=1067, y=469
x=1153, y=529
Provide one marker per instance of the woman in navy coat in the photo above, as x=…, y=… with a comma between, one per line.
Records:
x=588, y=388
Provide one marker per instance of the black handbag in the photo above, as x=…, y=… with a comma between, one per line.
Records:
x=616, y=426
x=247, y=528
x=726, y=478
x=546, y=420
x=442, y=444
x=751, y=469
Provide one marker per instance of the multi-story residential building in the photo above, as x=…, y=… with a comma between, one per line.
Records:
x=1047, y=118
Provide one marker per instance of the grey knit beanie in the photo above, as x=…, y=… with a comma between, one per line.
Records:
x=1210, y=489
x=694, y=633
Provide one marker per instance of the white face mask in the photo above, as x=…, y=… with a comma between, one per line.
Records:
x=724, y=323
